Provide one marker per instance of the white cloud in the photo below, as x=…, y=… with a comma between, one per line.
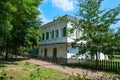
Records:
x=65, y=5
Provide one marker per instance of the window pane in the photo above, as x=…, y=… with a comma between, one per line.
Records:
x=56, y=33
x=52, y=34
x=47, y=35
x=43, y=36
x=64, y=31
x=45, y=52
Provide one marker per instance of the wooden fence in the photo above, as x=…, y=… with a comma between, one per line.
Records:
x=105, y=65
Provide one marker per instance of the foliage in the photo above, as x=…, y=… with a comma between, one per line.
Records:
x=96, y=26
x=70, y=30
x=19, y=25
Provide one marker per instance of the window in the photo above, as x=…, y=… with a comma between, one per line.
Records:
x=47, y=35
x=54, y=52
x=64, y=32
x=52, y=34
x=43, y=36
x=56, y=32
x=45, y=52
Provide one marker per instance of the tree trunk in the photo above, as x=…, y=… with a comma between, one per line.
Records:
x=97, y=62
x=6, y=49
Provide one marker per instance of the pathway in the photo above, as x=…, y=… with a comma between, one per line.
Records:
x=75, y=71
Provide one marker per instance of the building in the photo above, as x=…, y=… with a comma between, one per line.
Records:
x=57, y=37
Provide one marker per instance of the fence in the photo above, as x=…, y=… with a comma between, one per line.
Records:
x=106, y=65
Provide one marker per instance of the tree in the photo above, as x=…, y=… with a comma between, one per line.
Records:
x=117, y=41
x=25, y=32
x=17, y=18
x=96, y=25
x=5, y=22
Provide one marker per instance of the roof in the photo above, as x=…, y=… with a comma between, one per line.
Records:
x=65, y=18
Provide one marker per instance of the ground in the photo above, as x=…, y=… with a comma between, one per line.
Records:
x=23, y=69
x=74, y=71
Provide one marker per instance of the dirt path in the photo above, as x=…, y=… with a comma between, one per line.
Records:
x=75, y=71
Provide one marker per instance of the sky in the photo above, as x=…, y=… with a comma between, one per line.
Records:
x=53, y=8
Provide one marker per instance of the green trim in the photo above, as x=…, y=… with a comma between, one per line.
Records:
x=47, y=35
x=54, y=52
x=64, y=31
x=45, y=52
x=43, y=36
x=57, y=33
x=52, y=34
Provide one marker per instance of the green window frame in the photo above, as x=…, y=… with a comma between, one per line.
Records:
x=45, y=52
x=47, y=35
x=43, y=36
x=54, y=52
x=57, y=33
x=64, y=31
x=52, y=34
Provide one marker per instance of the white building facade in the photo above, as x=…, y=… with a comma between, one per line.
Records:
x=57, y=38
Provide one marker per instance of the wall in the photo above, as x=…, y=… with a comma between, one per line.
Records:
x=54, y=26
x=61, y=50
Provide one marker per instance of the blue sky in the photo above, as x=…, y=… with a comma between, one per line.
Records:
x=53, y=8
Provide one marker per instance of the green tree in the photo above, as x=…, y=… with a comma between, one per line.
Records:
x=5, y=22
x=96, y=25
x=18, y=22
x=25, y=33
x=117, y=41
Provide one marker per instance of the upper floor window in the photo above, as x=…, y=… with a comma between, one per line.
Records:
x=56, y=32
x=47, y=35
x=52, y=34
x=63, y=31
x=43, y=36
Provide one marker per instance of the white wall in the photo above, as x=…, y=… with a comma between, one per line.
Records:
x=49, y=28
x=61, y=50
x=101, y=56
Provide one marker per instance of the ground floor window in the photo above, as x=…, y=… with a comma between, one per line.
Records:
x=45, y=52
x=54, y=52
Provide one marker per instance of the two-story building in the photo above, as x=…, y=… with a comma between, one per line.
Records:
x=57, y=37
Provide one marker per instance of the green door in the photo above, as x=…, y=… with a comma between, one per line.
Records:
x=54, y=52
x=45, y=52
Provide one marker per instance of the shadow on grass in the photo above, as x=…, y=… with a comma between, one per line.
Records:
x=12, y=61
x=77, y=65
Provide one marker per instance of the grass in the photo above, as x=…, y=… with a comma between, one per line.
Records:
x=116, y=57
x=23, y=70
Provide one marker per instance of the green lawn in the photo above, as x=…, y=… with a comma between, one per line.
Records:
x=23, y=70
x=116, y=58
